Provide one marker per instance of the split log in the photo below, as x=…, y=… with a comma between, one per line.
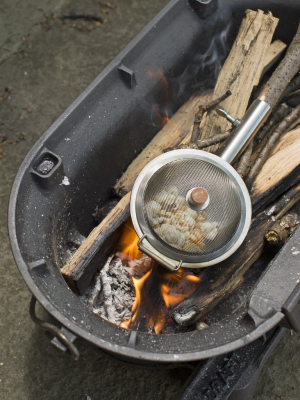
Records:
x=266, y=150
x=280, y=171
x=171, y=135
x=221, y=280
x=242, y=70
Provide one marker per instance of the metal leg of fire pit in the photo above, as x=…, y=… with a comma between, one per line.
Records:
x=232, y=376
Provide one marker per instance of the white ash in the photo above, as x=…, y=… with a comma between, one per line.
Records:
x=65, y=181
x=201, y=325
x=73, y=242
x=112, y=294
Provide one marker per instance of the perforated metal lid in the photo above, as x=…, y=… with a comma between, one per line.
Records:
x=163, y=209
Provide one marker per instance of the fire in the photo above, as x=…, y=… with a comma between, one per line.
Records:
x=162, y=112
x=156, y=291
x=128, y=243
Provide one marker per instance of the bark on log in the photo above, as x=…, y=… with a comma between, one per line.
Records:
x=202, y=144
x=284, y=73
x=244, y=162
x=280, y=231
x=274, y=53
x=242, y=70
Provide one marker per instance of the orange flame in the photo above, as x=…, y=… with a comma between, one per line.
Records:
x=171, y=299
x=193, y=278
x=138, y=284
x=128, y=243
x=161, y=110
x=150, y=310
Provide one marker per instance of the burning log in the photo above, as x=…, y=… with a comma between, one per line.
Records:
x=79, y=271
x=242, y=70
x=281, y=171
x=223, y=279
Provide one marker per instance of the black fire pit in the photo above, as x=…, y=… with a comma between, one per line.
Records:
x=77, y=161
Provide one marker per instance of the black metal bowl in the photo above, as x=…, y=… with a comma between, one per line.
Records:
x=110, y=118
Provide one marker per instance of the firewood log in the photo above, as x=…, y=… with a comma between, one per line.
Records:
x=80, y=270
x=281, y=171
x=242, y=70
x=284, y=73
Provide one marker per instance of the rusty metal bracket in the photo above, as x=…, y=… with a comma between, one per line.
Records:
x=60, y=339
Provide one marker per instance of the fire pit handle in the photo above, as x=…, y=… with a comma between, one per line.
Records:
x=63, y=340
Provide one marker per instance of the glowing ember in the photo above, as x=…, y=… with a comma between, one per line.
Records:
x=156, y=291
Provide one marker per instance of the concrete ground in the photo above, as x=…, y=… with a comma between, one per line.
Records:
x=47, y=64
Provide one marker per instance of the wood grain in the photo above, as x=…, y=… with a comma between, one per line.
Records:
x=241, y=71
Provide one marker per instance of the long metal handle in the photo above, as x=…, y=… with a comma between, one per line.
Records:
x=254, y=118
